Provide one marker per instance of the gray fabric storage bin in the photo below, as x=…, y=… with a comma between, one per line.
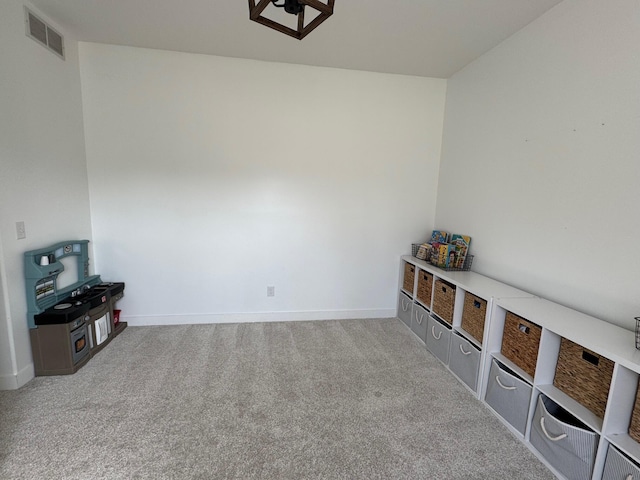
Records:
x=437, y=340
x=464, y=360
x=405, y=308
x=508, y=395
x=619, y=467
x=563, y=440
x=419, y=321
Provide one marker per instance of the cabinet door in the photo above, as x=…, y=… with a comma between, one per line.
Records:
x=464, y=360
x=404, y=308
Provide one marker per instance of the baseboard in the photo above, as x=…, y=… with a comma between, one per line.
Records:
x=194, y=319
x=14, y=382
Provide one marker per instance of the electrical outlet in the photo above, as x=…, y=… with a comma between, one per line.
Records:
x=21, y=233
x=271, y=291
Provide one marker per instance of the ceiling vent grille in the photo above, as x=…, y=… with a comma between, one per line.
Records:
x=43, y=33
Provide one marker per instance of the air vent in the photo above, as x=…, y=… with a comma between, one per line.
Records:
x=43, y=33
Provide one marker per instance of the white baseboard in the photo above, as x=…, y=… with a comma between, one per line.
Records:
x=14, y=382
x=195, y=319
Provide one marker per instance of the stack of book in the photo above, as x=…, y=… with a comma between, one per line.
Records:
x=444, y=250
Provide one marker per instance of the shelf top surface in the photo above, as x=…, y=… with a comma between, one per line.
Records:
x=613, y=342
x=473, y=282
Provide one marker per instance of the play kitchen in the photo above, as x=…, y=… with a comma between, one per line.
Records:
x=68, y=323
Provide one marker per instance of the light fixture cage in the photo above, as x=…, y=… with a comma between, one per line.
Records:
x=325, y=11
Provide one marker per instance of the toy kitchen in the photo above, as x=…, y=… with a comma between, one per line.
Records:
x=68, y=323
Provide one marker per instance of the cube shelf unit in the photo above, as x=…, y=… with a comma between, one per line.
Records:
x=446, y=338
x=516, y=396
x=610, y=341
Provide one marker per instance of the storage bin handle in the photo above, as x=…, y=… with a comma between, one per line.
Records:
x=505, y=387
x=419, y=318
x=463, y=352
x=476, y=303
x=553, y=439
x=433, y=332
x=591, y=358
x=629, y=477
x=405, y=307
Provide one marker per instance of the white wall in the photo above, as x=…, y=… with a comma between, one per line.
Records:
x=43, y=177
x=541, y=158
x=212, y=178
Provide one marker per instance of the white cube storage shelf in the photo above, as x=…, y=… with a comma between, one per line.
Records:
x=602, y=446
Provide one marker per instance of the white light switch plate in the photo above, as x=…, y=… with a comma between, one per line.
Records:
x=21, y=233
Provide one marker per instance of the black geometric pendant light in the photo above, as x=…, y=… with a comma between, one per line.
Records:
x=293, y=7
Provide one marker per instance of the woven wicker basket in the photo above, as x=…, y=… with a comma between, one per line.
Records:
x=584, y=375
x=444, y=298
x=634, y=426
x=520, y=342
x=425, y=284
x=473, y=315
x=409, y=275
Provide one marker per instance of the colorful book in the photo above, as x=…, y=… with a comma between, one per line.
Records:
x=446, y=255
x=439, y=236
x=462, y=244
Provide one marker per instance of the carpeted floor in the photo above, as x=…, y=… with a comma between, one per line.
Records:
x=333, y=399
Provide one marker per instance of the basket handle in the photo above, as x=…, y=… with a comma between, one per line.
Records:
x=463, y=352
x=419, y=320
x=476, y=303
x=553, y=439
x=405, y=307
x=433, y=332
x=504, y=387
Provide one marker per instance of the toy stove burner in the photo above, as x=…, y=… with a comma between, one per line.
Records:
x=62, y=306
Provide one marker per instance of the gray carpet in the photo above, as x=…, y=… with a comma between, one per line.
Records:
x=334, y=399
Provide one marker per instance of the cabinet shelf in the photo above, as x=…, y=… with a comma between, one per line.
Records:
x=512, y=366
x=468, y=337
x=625, y=444
x=582, y=413
x=556, y=322
x=426, y=307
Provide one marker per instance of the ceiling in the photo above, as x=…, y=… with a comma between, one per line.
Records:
x=429, y=38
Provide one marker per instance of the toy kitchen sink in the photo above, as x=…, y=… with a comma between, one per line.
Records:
x=67, y=325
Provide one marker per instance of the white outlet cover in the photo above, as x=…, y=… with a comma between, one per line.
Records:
x=21, y=233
